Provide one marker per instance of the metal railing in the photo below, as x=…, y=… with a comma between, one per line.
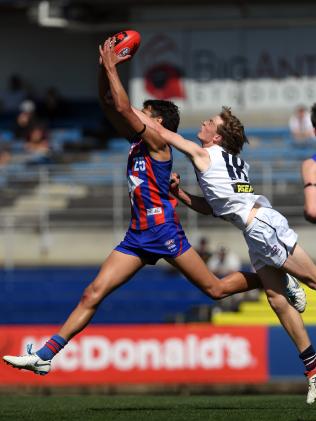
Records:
x=87, y=195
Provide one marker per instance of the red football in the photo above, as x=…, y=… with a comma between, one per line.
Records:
x=126, y=43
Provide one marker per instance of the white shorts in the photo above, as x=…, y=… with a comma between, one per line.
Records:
x=269, y=238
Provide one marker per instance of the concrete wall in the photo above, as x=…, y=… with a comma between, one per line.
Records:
x=90, y=247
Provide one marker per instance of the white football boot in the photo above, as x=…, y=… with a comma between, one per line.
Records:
x=30, y=361
x=311, y=394
x=295, y=293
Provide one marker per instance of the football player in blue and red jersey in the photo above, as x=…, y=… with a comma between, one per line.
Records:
x=154, y=232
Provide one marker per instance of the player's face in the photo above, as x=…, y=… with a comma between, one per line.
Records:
x=208, y=132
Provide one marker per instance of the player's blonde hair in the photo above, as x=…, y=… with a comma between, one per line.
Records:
x=232, y=132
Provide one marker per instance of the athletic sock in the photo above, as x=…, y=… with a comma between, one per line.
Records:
x=51, y=348
x=309, y=358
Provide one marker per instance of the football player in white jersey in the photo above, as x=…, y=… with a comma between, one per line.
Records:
x=273, y=248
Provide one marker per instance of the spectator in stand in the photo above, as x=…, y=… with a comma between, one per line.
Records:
x=300, y=126
x=37, y=146
x=203, y=249
x=15, y=94
x=223, y=262
x=5, y=157
x=25, y=120
x=52, y=106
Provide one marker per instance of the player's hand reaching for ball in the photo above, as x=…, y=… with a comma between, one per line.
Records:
x=108, y=56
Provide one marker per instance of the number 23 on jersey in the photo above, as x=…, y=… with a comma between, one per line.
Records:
x=139, y=164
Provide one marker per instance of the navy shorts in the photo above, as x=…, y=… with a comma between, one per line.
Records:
x=314, y=157
x=167, y=240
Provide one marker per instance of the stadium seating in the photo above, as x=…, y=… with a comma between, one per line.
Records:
x=275, y=171
x=260, y=313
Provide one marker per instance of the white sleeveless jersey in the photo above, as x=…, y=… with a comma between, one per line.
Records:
x=226, y=187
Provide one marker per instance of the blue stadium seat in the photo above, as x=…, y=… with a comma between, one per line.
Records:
x=58, y=137
x=6, y=136
x=118, y=144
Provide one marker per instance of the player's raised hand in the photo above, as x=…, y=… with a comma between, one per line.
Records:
x=108, y=56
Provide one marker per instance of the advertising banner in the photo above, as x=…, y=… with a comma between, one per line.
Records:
x=283, y=355
x=251, y=69
x=143, y=354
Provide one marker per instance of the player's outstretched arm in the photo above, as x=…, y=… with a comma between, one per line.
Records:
x=196, y=203
x=121, y=100
x=196, y=153
x=107, y=104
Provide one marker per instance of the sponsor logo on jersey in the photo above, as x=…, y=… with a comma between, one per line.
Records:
x=153, y=211
x=243, y=188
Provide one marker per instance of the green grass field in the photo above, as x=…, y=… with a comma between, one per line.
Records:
x=166, y=408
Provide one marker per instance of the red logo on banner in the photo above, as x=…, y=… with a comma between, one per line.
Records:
x=144, y=354
x=164, y=81
x=163, y=77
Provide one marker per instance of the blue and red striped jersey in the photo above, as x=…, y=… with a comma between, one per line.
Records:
x=148, y=185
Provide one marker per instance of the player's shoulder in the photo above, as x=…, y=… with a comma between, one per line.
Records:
x=215, y=151
x=160, y=156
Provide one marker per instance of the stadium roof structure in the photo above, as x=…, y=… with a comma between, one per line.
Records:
x=101, y=15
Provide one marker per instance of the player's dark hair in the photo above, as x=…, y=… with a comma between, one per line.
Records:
x=232, y=132
x=313, y=115
x=167, y=110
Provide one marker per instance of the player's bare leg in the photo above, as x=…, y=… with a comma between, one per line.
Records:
x=292, y=322
x=117, y=269
x=300, y=265
x=193, y=268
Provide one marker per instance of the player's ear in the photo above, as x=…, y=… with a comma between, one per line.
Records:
x=217, y=139
x=159, y=120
